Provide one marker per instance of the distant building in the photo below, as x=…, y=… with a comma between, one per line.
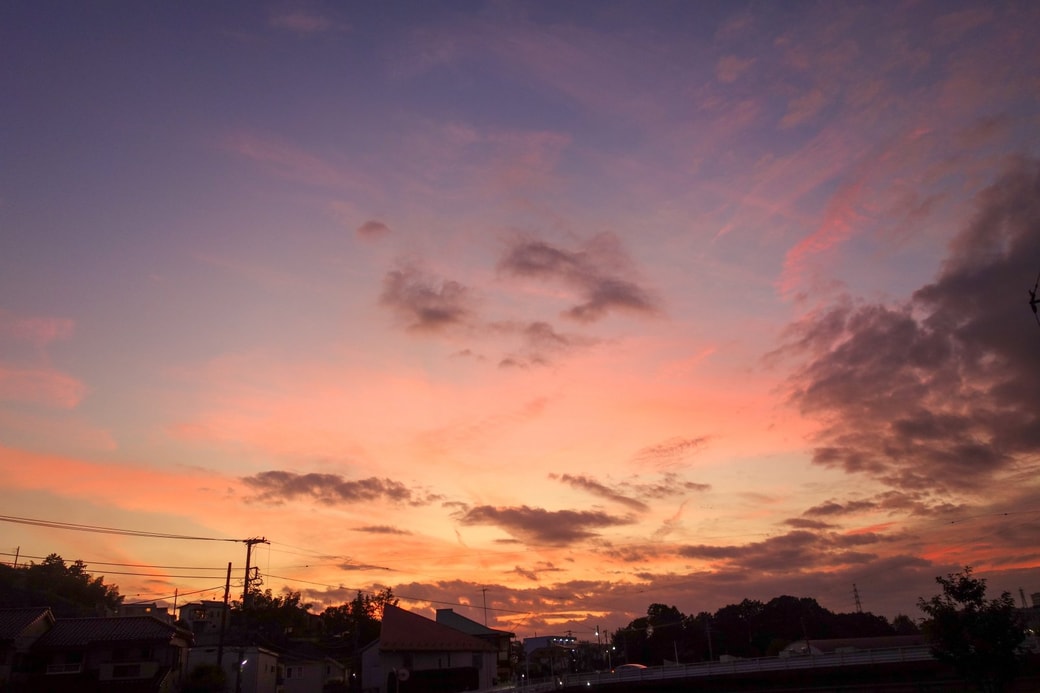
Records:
x=203, y=619
x=145, y=609
x=548, y=654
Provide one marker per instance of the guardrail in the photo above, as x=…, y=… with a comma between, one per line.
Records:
x=748, y=666
x=719, y=668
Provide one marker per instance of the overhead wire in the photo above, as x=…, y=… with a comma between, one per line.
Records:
x=74, y=526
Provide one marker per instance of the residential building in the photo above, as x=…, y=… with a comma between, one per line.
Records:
x=310, y=674
x=499, y=639
x=247, y=668
x=204, y=620
x=137, y=653
x=414, y=653
x=19, y=629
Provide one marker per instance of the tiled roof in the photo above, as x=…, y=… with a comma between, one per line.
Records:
x=79, y=632
x=14, y=621
x=403, y=631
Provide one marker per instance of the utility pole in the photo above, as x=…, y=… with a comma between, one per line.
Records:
x=484, y=590
x=246, y=598
x=223, y=619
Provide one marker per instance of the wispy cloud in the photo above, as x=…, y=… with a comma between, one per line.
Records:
x=303, y=21
x=38, y=331
x=597, y=488
x=41, y=386
x=425, y=303
x=599, y=269
x=373, y=228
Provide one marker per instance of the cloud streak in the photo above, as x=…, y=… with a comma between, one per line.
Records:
x=329, y=489
x=599, y=270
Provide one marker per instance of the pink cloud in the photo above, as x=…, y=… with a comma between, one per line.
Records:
x=41, y=386
x=38, y=331
x=286, y=160
x=731, y=67
x=803, y=108
x=303, y=22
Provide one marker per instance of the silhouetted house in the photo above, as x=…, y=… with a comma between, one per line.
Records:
x=832, y=645
x=132, y=654
x=414, y=653
x=19, y=629
x=203, y=620
x=303, y=673
x=247, y=668
x=501, y=640
x=145, y=609
x=545, y=655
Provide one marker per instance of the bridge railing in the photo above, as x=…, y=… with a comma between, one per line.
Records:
x=753, y=665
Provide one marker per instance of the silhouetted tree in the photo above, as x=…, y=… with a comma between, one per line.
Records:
x=981, y=638
x=904, y=625
x=68, y=589
x=272, y=618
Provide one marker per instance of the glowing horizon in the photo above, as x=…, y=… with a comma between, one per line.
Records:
x=592, y=305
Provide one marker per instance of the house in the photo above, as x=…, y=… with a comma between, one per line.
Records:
x=309, y=673
x=501, y=640
x=204, y=620
x=19, y=629
x=136, y=654
x=247, y=668
x=144, y=609
x=414, y=653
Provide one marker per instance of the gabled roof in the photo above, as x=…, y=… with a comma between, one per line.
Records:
x=403, y=631
x=449, y=618
x=13, y=622
x=80, y=632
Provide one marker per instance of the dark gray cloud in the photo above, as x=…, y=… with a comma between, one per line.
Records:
x=424, y=303
x=278, y=486
x=381, y=529
x=600, y=270
x=373, y=229
x=636, y=494
x=938, y=394
x=671, y=451
x=540, y=526
x=671, y=484
x=540, y=343
x=597, y=488
x=797, y=550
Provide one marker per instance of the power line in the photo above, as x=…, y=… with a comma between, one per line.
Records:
x=51, y=524
x=123, y=565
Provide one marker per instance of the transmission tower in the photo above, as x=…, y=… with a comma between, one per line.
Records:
x=855, y=593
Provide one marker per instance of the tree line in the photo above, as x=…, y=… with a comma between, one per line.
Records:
x=749, y=629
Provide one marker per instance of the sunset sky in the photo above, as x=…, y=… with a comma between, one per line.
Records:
x=586, y=304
